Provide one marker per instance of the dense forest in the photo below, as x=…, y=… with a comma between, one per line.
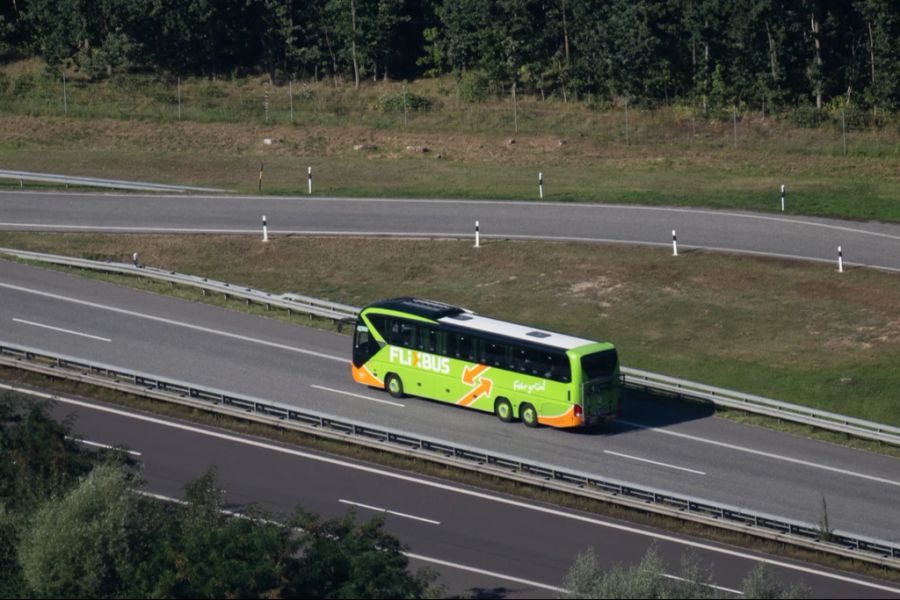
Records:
x=721, y=52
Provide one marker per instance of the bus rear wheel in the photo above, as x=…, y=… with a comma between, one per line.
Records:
x=394, y=385
x=503, y=410
x=528, y=415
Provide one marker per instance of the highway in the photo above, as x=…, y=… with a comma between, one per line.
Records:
x=477, y=540
x=689, y=453
x=864, y=243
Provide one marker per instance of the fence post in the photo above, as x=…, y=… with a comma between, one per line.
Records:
x=259, y=186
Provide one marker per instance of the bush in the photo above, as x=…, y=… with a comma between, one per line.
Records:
x=808, y=116
x=396, y=102
x=473, y=86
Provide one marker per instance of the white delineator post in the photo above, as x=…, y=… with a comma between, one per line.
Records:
x=541, y=185
x=477, y=235
x=782, y=197
x=309, y=179
x=265, y=230
x=840, y=260
x=674, y=244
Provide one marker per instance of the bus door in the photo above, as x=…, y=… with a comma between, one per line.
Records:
x=364, y=345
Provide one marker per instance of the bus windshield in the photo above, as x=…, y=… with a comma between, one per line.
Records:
x=599, y=365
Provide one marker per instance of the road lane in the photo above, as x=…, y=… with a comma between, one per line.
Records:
x=778, y=476
x=521, y=539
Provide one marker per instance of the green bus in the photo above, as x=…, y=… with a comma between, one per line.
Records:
x=446, y=353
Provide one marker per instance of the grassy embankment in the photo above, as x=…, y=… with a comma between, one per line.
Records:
x=130, y=127
x=797, y=332
x=794, y=331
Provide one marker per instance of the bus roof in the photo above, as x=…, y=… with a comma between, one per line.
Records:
x=466, y=319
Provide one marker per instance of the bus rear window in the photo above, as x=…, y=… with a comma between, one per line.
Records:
x=599, y=365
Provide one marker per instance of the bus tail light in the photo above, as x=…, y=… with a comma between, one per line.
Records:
x=579, y=412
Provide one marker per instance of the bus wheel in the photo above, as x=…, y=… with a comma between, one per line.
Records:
x=529, y=415
x=394, y=386
x=503, y=410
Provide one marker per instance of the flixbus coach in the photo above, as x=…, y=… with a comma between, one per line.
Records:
x=442, y=352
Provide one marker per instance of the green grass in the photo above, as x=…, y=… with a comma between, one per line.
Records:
x=129, y=128
x=797, y=332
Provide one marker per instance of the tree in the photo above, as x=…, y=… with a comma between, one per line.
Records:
x=341, y=558
x=587, y=578
x=77, y=545
x=39, y=457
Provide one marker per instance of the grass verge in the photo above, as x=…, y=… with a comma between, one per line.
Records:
x=797, y=332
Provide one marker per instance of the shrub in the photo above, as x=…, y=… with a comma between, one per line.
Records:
x=395, y=102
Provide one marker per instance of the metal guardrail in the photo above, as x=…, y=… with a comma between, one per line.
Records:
x=805, y=415
x=102, y=183
x=647, y=499
x=635, y=378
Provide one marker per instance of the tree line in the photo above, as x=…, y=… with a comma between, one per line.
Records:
x=710, y=52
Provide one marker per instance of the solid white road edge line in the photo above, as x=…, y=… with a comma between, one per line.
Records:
x=653, y=462
x=132, y=313
x=328, y=389
x=458, y=490
x=796, y=461
x=60, y=329
x=389, y=512
x=107, y=447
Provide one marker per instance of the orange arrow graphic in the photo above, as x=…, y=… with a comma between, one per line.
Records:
x=470, y=373
x=483, y=388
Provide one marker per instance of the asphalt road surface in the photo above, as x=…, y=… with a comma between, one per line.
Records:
x=482, y=543
x=869, y=244
x=657, y=444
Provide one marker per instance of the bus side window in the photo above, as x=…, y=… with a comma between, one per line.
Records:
x=494, y=354
x=406, y=334
x=559, y=367
x=461, y=346
x=520, y=361
x=430, y=340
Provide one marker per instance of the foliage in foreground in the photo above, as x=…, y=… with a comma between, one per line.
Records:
x=588, y=578
x=72, y=524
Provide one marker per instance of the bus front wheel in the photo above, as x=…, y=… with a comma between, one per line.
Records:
x=394, y=385
x=503, y=410
x=529, y=415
